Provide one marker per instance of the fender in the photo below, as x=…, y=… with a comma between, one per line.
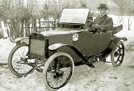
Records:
x=56, y=46
x=115, y=42
x=22, y=40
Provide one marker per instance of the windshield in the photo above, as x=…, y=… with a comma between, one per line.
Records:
x=74, y=16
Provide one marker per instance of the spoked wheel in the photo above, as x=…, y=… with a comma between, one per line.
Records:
x=18, y=62
x=117, y=55
x=58, y=70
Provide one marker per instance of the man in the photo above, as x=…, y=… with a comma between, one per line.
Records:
x=102, y=23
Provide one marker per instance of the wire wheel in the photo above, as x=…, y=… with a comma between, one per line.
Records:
x=117, y=55
x=18, y=62
x=58, y=70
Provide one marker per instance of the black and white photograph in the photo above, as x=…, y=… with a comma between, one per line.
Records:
x=66, y=45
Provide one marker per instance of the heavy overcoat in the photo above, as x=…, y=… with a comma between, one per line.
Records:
x=105, y=23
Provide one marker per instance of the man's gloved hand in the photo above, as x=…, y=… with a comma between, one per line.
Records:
x=93, y=31
x=96, y=26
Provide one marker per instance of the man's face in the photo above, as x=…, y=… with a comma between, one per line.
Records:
x=102, y=11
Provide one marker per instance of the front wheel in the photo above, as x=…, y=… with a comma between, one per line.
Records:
x=117, y=55
x=18, y=61
x=58, y=70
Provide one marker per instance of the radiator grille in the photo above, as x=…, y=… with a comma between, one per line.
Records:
x=37, y=47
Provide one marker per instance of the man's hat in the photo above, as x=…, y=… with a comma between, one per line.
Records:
x=103, y=6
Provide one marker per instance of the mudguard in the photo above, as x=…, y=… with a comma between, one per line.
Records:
x=115, y=42
x=56, y=46
x=22, y=40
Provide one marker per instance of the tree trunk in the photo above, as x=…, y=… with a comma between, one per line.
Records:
x=32, y=27
x=39, y=29
x=129, y=23
x=22, y=28
x=35, y=28
x=27, y=29
x=12, y=31
x=8, y=30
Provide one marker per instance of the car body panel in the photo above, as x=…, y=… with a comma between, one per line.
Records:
x=85, y=42
x=88, y=44
x=92, y=44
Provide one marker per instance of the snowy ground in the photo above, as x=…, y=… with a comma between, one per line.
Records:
x=104, y=77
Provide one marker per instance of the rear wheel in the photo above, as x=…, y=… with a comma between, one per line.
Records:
x=117, y=55
x=18, y=61
x=58, y=70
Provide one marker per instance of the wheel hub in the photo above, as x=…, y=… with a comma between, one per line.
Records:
x=22, y=61
x=116, y=53
x=58, y=74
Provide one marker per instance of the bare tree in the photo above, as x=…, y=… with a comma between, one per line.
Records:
x=126, y=8
x=20, y=15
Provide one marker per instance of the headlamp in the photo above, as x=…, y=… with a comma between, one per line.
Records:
x=75, y=37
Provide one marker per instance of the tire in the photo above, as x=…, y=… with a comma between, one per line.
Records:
x=17, y=65
x=117, y=56
x=57, y=72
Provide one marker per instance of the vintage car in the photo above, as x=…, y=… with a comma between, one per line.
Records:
x=57, y=52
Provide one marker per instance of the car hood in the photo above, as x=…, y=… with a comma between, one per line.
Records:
x=60, y=32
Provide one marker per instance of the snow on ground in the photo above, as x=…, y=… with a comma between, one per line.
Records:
x=104, y=77
x=5, y=48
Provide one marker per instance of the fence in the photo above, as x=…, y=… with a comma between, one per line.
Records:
x=47, y=25
x=126, y=21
